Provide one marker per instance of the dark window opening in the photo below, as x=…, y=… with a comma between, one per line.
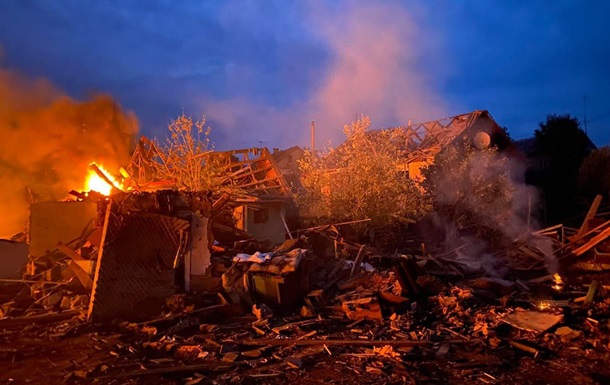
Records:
x=261, y=215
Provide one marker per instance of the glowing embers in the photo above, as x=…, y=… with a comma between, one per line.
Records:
x=557, y=282
x=101, y=181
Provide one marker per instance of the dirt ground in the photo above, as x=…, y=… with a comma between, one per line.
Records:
x=84, y=355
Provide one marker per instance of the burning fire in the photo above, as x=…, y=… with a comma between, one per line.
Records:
x=95, y=181
x=558, y=282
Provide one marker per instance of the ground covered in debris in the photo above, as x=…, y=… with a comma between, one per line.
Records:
x=423, y=322
x=322, y=309
x=452, y=337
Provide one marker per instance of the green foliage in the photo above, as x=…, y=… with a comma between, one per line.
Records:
x=561, y=140
x=472, y=191
x=594, y=174
x=563, y=146
x=361, y=178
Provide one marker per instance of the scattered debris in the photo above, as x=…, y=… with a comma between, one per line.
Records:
x=276, y=313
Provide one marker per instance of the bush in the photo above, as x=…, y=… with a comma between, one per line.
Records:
x=360, y=179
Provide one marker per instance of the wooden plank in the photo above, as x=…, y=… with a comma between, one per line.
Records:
x=332, y=224
x=592, y=243
x=11, y=280
x=532, y=320
x=288, y=342
x=100, y=255
x=82, y=275
x=590, y=214
x=69, y=252
x=590, y=232
x=173, y=369
x=286, y=225
x=547, y=229
x=37, y=319
x=357, y=261
x=199, y=312
x=591, y=293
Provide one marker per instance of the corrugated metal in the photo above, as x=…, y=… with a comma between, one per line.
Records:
x=136, y=271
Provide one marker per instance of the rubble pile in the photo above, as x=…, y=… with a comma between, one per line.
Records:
x=318, y=306
x=57, y=284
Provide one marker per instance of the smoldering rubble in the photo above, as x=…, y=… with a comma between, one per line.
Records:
x=155, y=284
x=110, y=305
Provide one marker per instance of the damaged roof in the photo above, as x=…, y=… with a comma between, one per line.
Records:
x=426, y=139
x=253, y=170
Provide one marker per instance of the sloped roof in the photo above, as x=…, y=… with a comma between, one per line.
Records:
x=526, y=146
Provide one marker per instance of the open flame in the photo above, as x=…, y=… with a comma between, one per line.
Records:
x=543, y=305
x=558, y=282
x=95, y=181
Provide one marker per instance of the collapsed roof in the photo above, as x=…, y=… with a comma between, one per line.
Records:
x=425, y=140
x=252, y=170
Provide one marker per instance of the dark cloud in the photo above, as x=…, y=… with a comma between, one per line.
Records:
x=261, y=71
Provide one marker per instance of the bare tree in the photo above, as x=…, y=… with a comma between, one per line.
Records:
x=187, y=157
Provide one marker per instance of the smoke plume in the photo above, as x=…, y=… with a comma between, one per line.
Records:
x=481, y=201
x=48, y=140
x=374, y=67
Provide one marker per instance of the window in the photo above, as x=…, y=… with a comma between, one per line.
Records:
x=261, y=215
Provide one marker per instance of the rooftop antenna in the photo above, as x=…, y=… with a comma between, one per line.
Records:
x=584, y=112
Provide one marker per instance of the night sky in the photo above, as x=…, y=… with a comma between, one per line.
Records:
x=261, y=71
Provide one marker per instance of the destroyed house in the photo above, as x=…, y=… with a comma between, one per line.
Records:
x=129, y=251
x=423, y=141
x=260, y=195
x=261, y=210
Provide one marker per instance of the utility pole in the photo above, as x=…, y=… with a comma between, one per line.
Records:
x=313, y=137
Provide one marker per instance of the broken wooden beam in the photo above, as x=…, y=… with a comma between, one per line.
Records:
x=532, y=321
x=171, y=369
x=102, y=175
x=406, y=273
x=592, y=243
x=37, y=319
x=14, y=280
x=198, y=312
x=83, y=276
x=590, y=214
x=69, y=252
x=288, y=342
x=591, y=293
x=357, y=261
x=524, y=347
x=333, y=224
